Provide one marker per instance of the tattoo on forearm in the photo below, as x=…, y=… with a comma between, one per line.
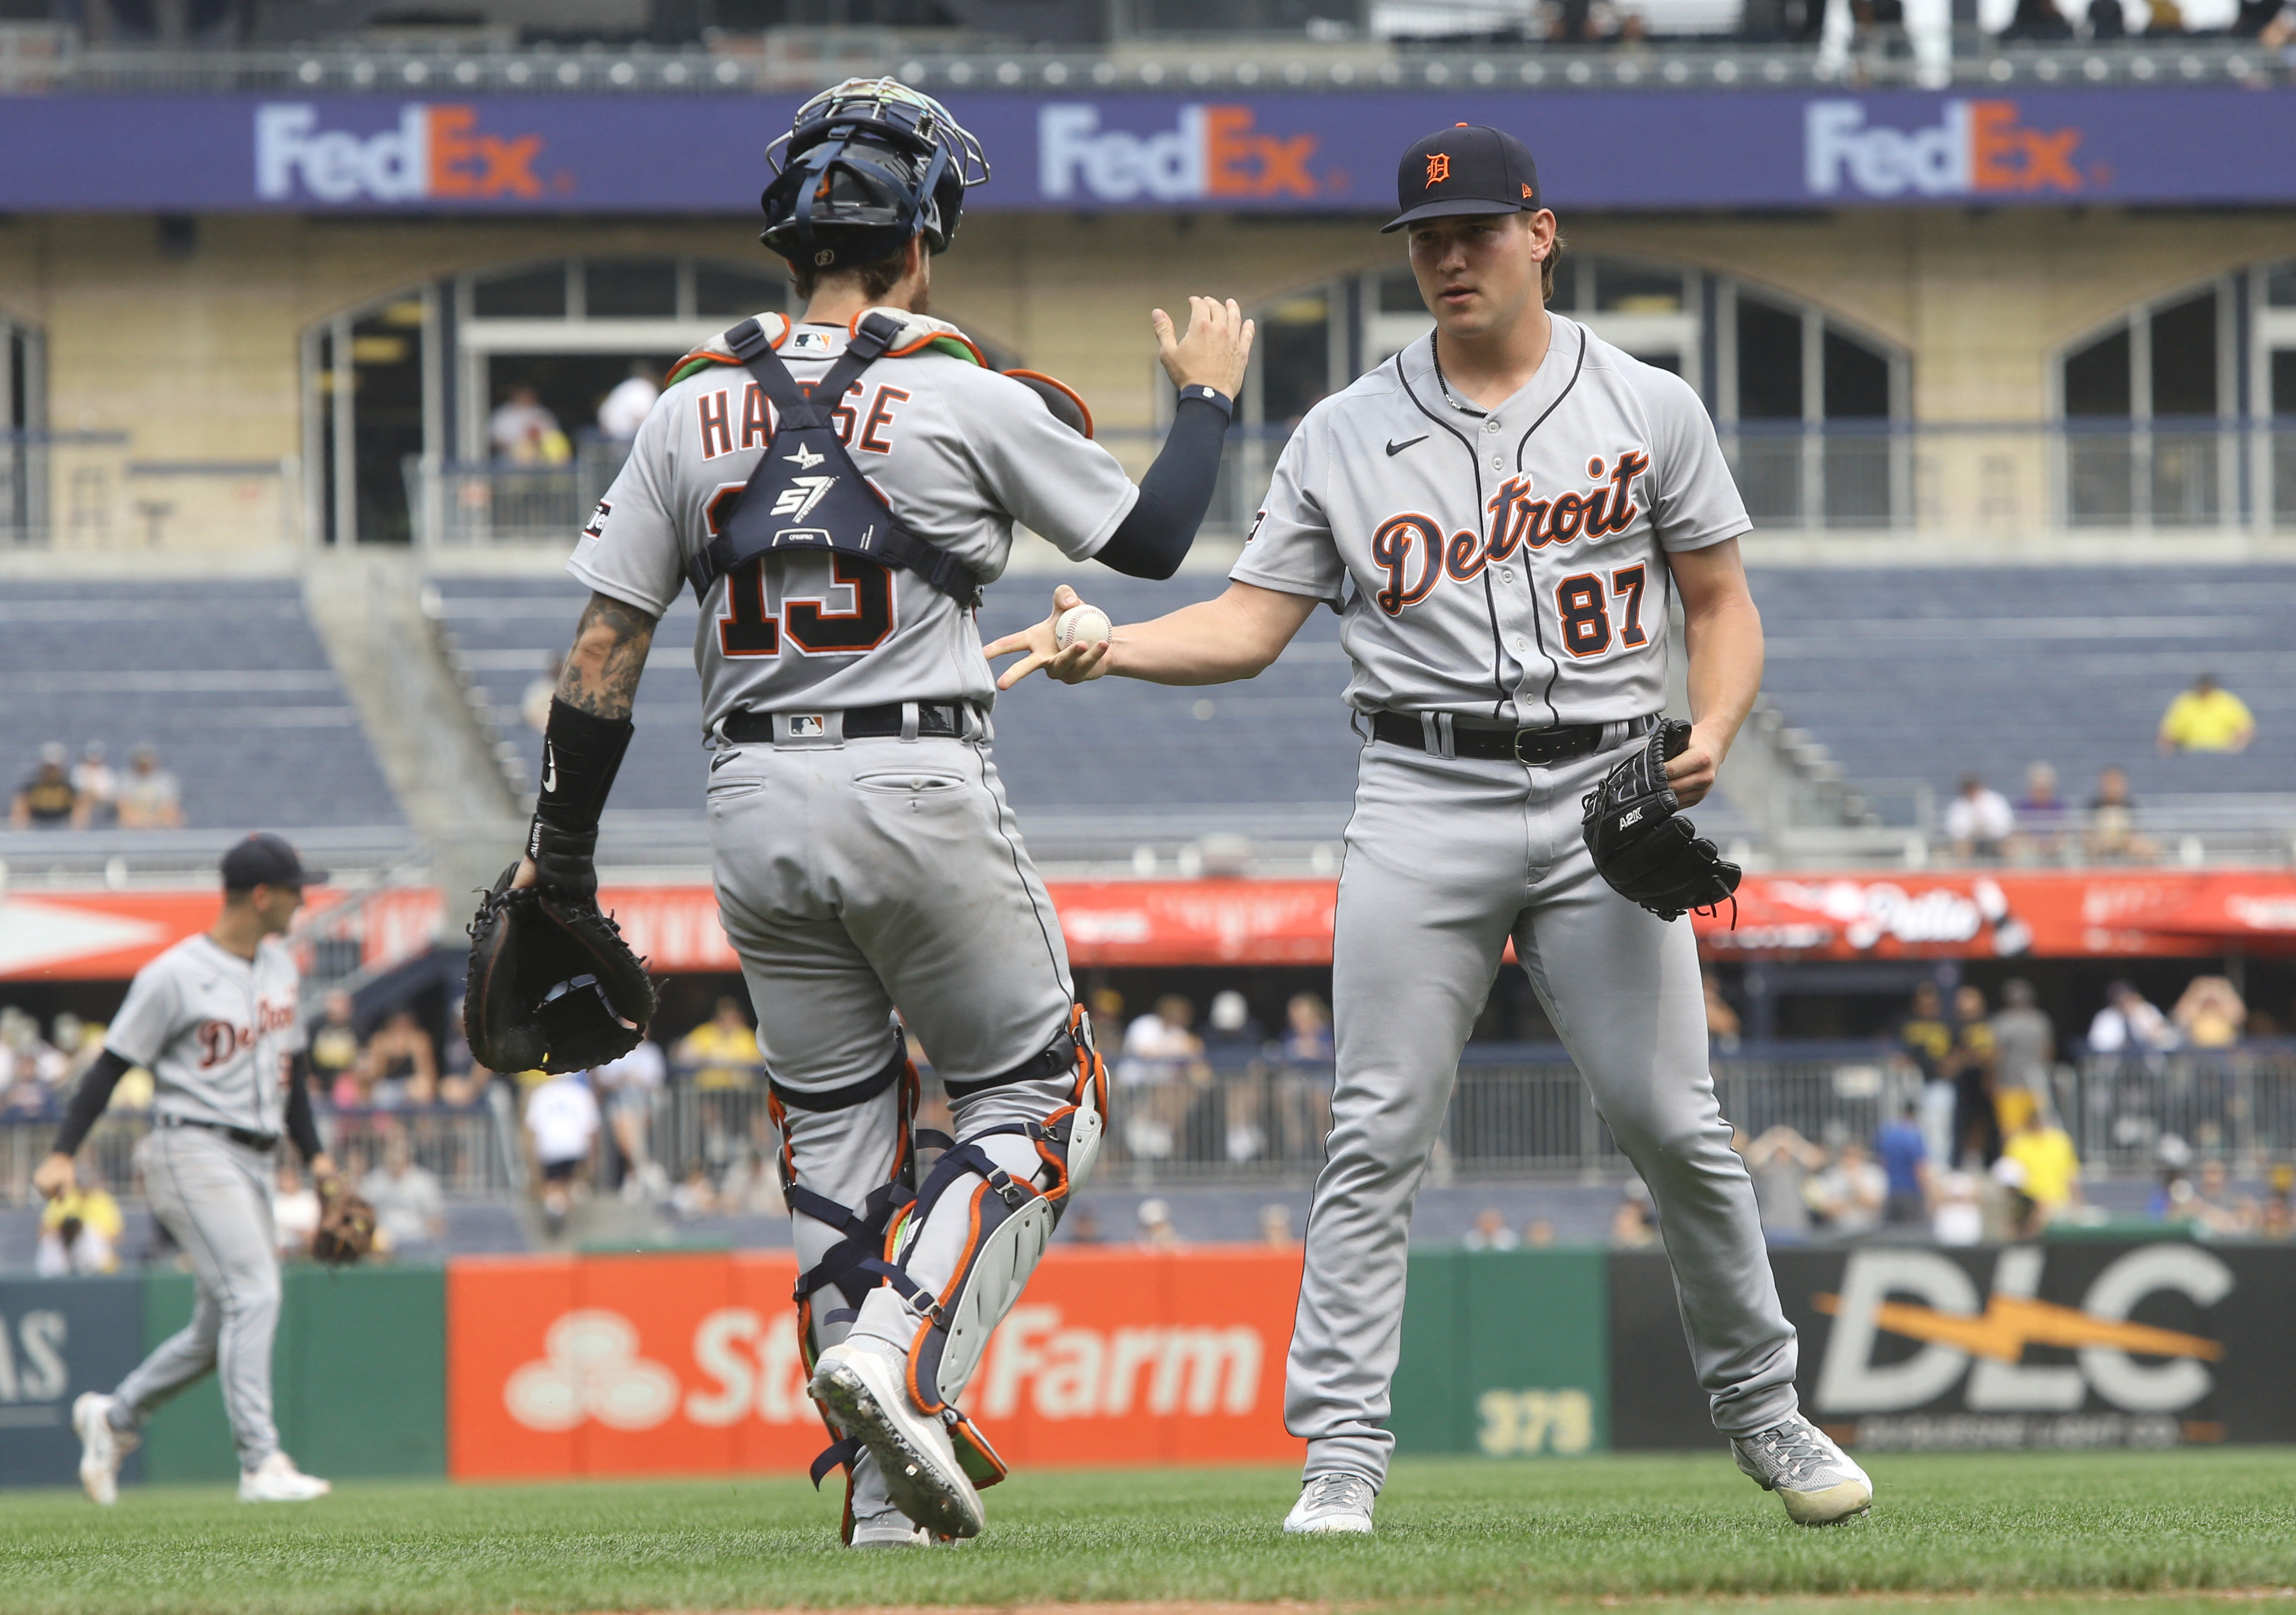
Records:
x=609, y=657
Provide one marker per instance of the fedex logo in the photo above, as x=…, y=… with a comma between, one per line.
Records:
x=434, y=153
x=1978, y=149
x=1214, y=152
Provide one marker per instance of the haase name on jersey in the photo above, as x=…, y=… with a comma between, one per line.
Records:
x=1415, y=555
x=714, y=415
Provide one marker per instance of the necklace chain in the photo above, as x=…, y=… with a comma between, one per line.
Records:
x=1444, y=382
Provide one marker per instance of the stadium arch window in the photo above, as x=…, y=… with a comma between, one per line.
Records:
x=2181, y=411
x=466, y=409
x=1805, y=402
x=23, y=461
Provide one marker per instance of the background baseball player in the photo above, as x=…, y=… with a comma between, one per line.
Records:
x=1501, y=513
x=214, y=1020
x=865, y=856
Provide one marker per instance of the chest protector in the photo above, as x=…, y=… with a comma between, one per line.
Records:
x=806, y=495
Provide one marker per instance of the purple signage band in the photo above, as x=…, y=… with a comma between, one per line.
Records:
x=1268, y=153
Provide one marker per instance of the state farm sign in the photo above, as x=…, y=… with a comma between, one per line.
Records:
x=648, y=1365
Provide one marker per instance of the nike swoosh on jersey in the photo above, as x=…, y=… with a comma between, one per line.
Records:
x=1395, y=448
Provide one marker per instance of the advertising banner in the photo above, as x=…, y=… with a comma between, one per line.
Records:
x=683, y=1364
x=2061, y=1344
x=1505, y=1353
x=1333, y=151
x=58, y=1338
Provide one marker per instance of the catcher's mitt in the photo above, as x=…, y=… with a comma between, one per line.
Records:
x=553, y=986
x=1641, y=844
x=346, y=1230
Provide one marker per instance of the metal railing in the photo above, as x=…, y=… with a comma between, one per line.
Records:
x=460, y=505
x=1268, y=1120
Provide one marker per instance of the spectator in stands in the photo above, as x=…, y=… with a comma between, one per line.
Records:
x=630, y=1084
x=2024, y=1049
x=2276, y=1219
x=460, y=1082
x=2045, y=819
x=294, y=1211
x=2210, y=1013
x=1539, y=1235
x=2037, y=19
x=1107, y=1012
x=1958, y=1217
x=1904, y=1167
x=1978, y=821
x=1490, y=1232
x=2129, y=1024
x=561, y=1119
x=409, y=1209
x=98, y=784
x=2206, y=717
x=1632, y=1227
x=79, y=1230
x=334, y=1044
x=1851, y=1192
x=1925, y=1038
x=150, y=798
x=1163, y=1056
x=1234, y=1045
x=2216, y=1211
x=1721, y=1021
x=1782, y=1162
x=534, y=704
x=625, y=409
x=399, y=1067
x=525, y=433
x=2110, y=836
x=79, y=1043
x=694, y=1196
x=1276, y=1226
x=1976, y=1127
x=1156, y=1233
x=2107, y=19
x=1307, y=1030
x=721, y=1053
x=2046, y=1173
x=46, y=801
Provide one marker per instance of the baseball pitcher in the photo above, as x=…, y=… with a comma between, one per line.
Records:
x=1501, y=514
x=214, y=1020
x=836, y=489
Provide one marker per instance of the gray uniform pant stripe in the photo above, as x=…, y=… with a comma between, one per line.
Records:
x=1447, y=858
x=215, y=1197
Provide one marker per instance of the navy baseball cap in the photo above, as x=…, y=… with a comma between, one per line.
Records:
x=263, y=859
x=1466, y=169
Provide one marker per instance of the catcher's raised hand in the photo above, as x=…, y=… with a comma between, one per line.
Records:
x=1038, y=648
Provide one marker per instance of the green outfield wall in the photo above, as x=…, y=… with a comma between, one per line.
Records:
x=1506, y=1353
x=358, y=1377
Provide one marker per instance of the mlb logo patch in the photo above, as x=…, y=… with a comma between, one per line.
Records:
x=808, y=338
x=807, y=726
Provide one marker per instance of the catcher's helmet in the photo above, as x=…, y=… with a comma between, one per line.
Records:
x=867, y=165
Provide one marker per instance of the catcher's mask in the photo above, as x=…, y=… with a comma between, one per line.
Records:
x=866, y=166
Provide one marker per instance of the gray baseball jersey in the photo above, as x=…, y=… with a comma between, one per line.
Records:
x=1510, y=563
x=959, y=452
x=217, y=1032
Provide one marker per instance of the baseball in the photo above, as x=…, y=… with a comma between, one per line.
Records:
x=1086, y=623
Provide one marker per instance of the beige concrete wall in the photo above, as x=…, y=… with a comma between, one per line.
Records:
x=196, y=357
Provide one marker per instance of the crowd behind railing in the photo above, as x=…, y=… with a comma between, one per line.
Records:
x=1968, y=1122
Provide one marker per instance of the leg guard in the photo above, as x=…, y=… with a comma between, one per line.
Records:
x=994, y=1200
x=835, y=1283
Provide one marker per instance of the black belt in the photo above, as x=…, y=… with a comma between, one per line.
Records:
x=1535, y=747
x=238, y=1135
x=945, y=719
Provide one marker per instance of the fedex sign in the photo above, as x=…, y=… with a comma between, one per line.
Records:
x=1977, y=148
x=1211, y=154
x=433, y=153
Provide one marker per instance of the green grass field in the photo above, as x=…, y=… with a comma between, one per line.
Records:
x=2179, y=1529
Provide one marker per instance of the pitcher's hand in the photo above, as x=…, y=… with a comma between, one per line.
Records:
x=1079, y=664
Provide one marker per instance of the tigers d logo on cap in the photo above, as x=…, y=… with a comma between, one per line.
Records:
x=1466, y=169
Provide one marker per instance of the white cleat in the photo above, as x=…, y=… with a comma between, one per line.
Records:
x=890, y=1529
x=100, y=1447
x=1818, y=1482
x=276, y=1480
x=862, y=1392
x=1338, y=1502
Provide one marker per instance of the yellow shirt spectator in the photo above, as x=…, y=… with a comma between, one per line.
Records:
x=2206, y=718
x=2050, y=1165
x=95, y=1207
x=723, y=1050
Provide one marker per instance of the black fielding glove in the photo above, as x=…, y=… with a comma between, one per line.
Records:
x=1641, y=843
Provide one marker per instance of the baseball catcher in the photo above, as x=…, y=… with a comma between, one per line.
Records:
x=1641, y=843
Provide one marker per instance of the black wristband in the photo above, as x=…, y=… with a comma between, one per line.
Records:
x=1212, y=396
x=581, y=753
